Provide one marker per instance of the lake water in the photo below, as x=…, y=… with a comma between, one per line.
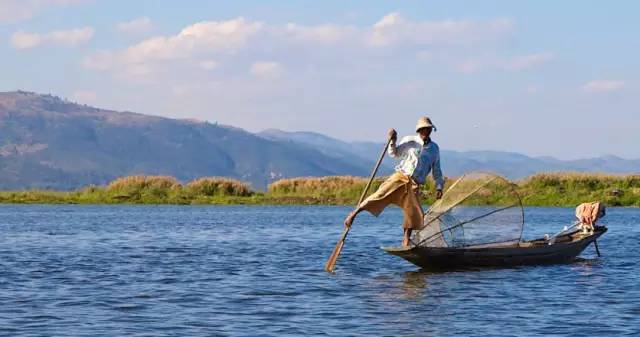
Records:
x=258, y=271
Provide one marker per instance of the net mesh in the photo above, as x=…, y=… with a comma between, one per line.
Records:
x=478, y=209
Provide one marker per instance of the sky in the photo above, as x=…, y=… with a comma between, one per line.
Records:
x=543, y=78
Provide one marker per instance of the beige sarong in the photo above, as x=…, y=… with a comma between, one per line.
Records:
x=399, y=190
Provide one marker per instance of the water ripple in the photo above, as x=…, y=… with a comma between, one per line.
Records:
x=257, y=271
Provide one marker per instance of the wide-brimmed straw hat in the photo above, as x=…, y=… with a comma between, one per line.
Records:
x=425, y=122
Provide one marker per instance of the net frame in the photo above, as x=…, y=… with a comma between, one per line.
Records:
x=439, y=234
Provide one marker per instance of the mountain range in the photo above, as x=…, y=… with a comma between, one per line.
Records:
x=455, y=163
x=49, y=142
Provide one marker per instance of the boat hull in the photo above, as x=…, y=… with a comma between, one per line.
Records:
x=535, y=252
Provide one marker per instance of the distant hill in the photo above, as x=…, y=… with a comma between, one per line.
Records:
x=49, y=142
x=365, y=154
x=455, y=163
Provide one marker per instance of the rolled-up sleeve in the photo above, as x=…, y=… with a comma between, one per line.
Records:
x=437, y=172
x=392, y=150
x=397, y=151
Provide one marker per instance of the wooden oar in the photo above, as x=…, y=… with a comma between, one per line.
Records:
x=331, y=262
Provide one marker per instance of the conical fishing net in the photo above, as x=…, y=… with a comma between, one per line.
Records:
x=478, y=209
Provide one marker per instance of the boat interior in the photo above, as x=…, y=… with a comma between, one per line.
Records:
x=563, y=237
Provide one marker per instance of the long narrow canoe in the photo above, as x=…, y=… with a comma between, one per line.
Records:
x=535, y=252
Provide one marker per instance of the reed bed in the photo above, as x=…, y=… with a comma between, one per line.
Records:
x=141, y=189
x=570, y=188
x=545, y=189
x=142, y=182
x=333, y=187
x=218, y=186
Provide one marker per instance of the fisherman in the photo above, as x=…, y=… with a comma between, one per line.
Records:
x=418, y=156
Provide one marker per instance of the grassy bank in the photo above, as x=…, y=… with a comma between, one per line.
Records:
x=568, y=189
x=549, y=189
x=143, y=190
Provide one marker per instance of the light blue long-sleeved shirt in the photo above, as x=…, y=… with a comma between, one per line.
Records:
x=418, y=159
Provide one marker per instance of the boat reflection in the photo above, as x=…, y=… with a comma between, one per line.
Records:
x=414, y=284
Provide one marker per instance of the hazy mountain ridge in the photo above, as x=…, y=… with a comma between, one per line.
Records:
x=70, y=145
x=48, y=142
x=455, y=163
x=363, y=153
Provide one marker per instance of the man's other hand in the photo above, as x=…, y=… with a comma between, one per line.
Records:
x=393, y=134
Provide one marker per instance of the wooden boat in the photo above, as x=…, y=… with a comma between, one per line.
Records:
x=565, y=248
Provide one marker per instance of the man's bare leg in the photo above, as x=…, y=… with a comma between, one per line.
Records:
x=407, y=237
x=352, y=216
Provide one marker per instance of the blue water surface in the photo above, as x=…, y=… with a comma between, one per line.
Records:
x=258, y=271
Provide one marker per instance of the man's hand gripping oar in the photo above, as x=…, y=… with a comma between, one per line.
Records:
x=331, y=262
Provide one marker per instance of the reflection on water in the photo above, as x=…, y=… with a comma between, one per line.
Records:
x=413, y=284
x=248, y=271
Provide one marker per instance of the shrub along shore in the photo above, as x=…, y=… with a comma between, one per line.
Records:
x=547, y=189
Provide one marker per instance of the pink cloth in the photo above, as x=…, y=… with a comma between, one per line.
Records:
x=589, y=212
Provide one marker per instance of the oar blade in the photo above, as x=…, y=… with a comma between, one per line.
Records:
x=331, y=262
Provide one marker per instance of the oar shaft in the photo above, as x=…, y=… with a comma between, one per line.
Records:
x=331, y=262
x=373, y=173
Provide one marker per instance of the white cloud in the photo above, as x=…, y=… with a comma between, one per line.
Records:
x=603, y=86
x=200, y=39
x=339, y=70
x=135, y=27
x=395, y=29
x=24, y=40
x=18, y=10
x=324, y=34
x=266, y=69
x=272, y=64
x=70, y=37
x=239, y=36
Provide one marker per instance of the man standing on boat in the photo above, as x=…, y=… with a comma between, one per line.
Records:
x=418, y=156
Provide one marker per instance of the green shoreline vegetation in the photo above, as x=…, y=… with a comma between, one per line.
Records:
x=546, y=189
